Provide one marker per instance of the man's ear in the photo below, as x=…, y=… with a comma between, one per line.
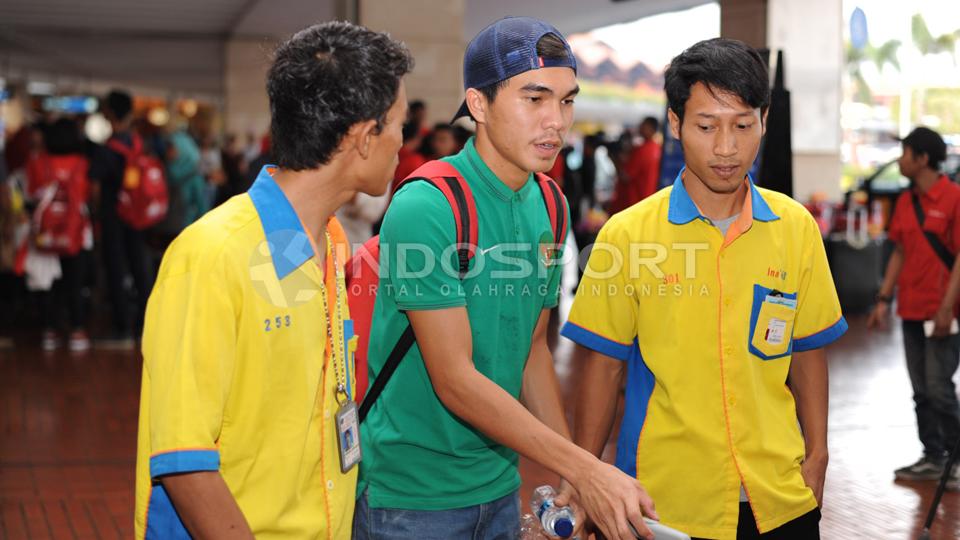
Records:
x=674, y=123
x=477, y=104
x=763, y=123
x=359, y=137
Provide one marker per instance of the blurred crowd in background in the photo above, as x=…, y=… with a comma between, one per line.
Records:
x=76, y=273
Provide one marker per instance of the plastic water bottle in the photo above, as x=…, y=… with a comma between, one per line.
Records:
x=555, y=520
x=530, y=528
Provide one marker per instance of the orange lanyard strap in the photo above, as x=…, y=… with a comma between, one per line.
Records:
x=332, y=304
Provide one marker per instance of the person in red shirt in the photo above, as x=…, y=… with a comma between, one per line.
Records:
x=57, y=184
x=409, y=157
x=927, y=278
x=440, y=142
x=417, y=113
x=642, y=171
x=559, y=168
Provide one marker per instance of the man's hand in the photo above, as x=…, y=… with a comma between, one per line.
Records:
x=567, y=496
x=205, y=505
x=814, y=471
x=607, y=495
x=612, y=499
x=879, y=317
x=942, y=321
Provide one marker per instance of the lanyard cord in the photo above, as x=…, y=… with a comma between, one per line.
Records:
x=337, y=346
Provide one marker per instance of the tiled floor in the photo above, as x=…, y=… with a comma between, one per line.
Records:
x=68, y=430
x=67, y=444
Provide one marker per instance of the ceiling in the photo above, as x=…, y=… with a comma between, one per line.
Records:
x=173, y=44
x=179, y=44
x=568, y=16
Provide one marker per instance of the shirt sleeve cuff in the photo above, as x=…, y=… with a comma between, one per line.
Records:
x=590, y=340
x=431, y=306
x=182, y=461
x=822, y=338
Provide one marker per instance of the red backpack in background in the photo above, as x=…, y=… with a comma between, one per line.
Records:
x=363, y=279
x=142, y=201
x=60, y=220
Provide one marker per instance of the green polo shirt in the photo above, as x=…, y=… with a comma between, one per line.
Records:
x=417, y=454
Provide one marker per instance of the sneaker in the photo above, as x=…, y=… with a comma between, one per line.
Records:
x=953, y=482
x=924, y=469
x=49, y=341
x=79, y=342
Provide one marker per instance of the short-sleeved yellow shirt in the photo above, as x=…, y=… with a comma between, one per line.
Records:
x=236, y=374
x=707, y=324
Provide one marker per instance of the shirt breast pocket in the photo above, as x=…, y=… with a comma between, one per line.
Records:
x=935, y=224
x=771, y=323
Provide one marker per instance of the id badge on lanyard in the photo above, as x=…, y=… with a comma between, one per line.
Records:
x=348, y=435
x=347, y=419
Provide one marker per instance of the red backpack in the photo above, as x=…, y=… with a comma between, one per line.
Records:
x=363, y=278
x=60, y=219
x=143, y=198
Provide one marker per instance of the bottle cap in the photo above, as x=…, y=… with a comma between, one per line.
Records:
x=563, y=527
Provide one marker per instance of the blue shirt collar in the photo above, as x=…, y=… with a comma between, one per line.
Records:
x=682, y=210
x=288, y=243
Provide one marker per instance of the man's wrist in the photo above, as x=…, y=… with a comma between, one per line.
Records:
x=884, y=298
x=580, y=467
x=817, y=454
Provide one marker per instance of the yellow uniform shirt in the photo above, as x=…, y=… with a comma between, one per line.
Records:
x=236, y=377
x=707, y=325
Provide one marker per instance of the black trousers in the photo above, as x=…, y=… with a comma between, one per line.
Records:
x=124, y=250
x=67, y=291
x=805, y=527
x=931, y=363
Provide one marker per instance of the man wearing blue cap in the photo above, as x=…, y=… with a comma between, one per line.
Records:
x=478, y=386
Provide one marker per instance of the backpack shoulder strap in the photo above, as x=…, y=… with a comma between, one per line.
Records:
x=943, y=253
x=455, y=189
x=432, y=169
x=446, y=178
x=136, y=146
x=556, y=209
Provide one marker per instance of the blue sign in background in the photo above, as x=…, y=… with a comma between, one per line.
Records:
x=858, y=29
x=671, y=160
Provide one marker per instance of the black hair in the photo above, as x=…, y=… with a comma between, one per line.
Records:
x=417, y=105
x=925, y=141
x=119, y=104
x=593, y=141
x=652, y=122
x=550, y=46
x=325, y=79
x=62, y=137
x=426, y=147
x=410, y=130
x=724, y=65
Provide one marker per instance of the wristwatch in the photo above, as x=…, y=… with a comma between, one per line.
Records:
x=886, y=299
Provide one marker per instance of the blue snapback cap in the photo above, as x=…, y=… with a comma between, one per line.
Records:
x=505, y=49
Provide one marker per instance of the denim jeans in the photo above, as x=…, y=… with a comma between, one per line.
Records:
x=931, y=363
x=496, y=520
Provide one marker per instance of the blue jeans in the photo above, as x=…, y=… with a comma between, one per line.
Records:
x=931, y=363
x=495, y=520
